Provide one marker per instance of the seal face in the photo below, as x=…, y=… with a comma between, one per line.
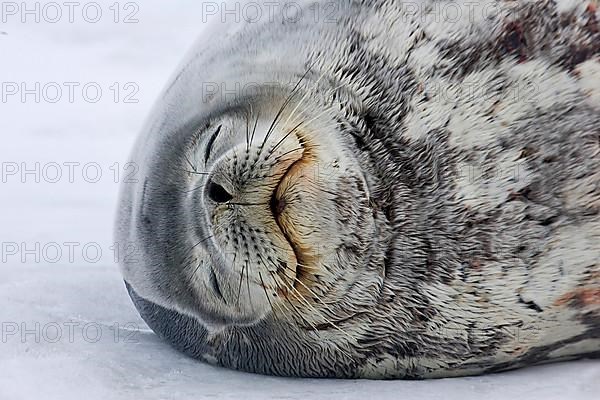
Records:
x=262, y=190
x=390, y=195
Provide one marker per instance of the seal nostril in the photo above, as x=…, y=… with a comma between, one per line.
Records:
x=217, y=193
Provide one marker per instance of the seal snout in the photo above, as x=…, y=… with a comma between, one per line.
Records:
x=245, y=261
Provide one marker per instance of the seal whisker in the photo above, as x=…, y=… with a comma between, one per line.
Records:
x=282, y=307
x=248, y=114
x=307, y=267
x=304, y=122
x=282, y=109
x=248, y=286
x=308, y=326
x=282, y=139
x=188, y=252
x=299, y=296
x=303, y=299
x=298, y=313
x=285, y=266
x=325, y=111
x=263, y=177
x=248, y=204
x=240, y=285
x=192, y=172
x=292, y=114
x=288, y=152
x=189, y=162
x=316, y=117
x=200, y=186
x=266, y=294
x=254, y=129
x=316, y=296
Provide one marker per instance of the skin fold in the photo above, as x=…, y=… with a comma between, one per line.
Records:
x=382, y=189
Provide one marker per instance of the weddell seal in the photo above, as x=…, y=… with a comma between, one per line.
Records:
x=387, y=191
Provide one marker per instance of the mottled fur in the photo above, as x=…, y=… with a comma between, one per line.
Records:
x=452, y=221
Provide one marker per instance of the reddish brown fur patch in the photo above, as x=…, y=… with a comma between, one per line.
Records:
x=592, y=23
x=580, y=297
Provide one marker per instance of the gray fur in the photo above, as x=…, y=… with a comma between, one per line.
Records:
x=450, y=224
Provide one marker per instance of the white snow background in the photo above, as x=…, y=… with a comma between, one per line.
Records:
x=68, y=328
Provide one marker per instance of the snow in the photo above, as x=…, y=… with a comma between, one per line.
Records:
x=68, y=329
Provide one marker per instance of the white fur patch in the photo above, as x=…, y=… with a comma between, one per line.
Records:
x=561, y=268
x=422, y=60
x=428, y=112
x=583, y=192
x=398, y=25
x=589, y=80
x=484, y=105
x=542, y=85
x=566, y=6
x=455, y=19
x=485, y=186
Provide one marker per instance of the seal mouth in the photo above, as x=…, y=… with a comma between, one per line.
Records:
x=278, y=204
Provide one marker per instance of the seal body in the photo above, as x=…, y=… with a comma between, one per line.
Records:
x=384, y=189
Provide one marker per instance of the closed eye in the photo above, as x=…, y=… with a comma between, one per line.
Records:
x=210, y=143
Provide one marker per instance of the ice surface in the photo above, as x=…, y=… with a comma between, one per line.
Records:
x=68, y=328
